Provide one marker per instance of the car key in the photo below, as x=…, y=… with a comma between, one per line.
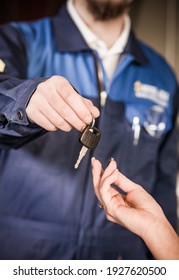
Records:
x=89, y=139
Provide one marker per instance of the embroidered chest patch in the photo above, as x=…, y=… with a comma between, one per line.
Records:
x=146, y=91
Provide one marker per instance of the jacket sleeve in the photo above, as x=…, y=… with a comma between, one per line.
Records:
x=15, y=90
x=165, y=187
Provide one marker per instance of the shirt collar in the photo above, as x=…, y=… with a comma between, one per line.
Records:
x=69, y=38
x=87, y=34
x=93, y=41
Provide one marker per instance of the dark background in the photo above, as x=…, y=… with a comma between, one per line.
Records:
x=23, y=10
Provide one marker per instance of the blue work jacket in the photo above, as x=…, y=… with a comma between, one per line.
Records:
x=48, y=210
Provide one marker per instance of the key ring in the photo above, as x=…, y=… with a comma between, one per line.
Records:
x=92, y=123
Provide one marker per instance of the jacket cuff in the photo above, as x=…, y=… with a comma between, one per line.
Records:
x=18, y=114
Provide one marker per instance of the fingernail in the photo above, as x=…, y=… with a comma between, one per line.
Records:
x=88, y=119
x=110, y=160
x=92, y=160
x=96, y=112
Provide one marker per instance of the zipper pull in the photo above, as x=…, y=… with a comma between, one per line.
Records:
x=136, y=128
x=103, y=95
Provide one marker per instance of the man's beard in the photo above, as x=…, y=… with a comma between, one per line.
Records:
x=107, y=10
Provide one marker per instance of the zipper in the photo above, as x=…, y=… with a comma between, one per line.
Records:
x=100, y=80
x=103, y=96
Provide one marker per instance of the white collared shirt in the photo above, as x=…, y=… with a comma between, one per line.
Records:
x=110, y=57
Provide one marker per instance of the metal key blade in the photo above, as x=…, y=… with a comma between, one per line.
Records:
x=82, y=153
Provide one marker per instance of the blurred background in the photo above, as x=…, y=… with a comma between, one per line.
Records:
x=155, y=22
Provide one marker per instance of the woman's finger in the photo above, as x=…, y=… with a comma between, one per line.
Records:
x=126, y=184
x=97, y=172
x=112, y=166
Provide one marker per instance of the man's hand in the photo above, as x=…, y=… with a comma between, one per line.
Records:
x=56, y=105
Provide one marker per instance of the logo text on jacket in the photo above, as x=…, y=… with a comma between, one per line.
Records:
x=159, y=96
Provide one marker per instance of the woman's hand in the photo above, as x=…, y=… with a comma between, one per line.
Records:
x=134, y=209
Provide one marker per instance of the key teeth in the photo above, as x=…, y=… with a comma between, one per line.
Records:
x=76, y=166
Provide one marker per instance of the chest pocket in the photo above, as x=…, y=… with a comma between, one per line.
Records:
x=154, y=119
x=146, y=127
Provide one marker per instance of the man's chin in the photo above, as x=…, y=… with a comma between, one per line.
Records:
x=106, y=10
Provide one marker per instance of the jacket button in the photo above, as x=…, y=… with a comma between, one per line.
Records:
x=19, y=114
